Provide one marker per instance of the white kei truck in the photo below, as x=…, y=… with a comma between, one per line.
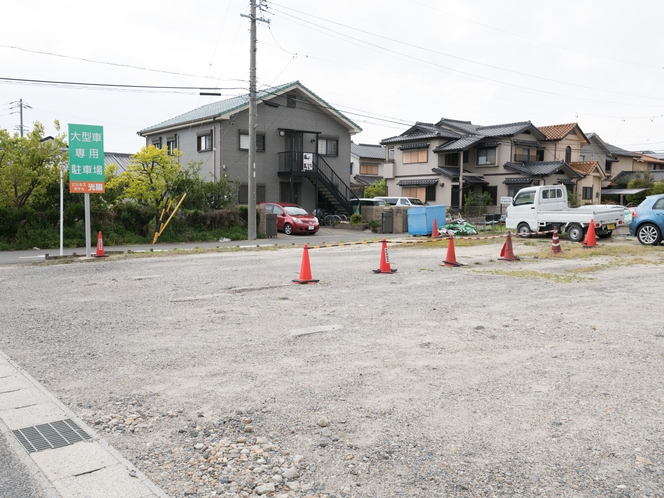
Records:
x=541, y=208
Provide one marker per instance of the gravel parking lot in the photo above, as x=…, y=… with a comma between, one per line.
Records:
x=218, y=377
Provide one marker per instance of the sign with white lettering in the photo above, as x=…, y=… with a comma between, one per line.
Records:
x=86, y=159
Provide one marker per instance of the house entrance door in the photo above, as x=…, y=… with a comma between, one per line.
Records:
x=285, y=192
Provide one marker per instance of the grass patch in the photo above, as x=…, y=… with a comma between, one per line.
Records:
x=560, y=278
x=644, y=254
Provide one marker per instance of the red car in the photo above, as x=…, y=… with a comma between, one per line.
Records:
x=292, y=218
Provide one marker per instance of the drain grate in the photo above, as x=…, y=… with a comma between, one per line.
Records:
x=48, y=436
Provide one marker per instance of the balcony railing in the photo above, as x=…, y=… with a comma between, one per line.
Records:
x=522, y=158
x=294, y=162
x=291, y=161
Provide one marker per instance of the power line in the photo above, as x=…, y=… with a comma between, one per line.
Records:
x=107, y=63
x=411, y=59
x=463, y=58
x=535, y=40
x=111, y=85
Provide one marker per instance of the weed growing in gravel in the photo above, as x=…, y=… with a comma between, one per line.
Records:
x=633, y=254
x=565, y=278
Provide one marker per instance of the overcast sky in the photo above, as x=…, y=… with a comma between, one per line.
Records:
x=386, y=64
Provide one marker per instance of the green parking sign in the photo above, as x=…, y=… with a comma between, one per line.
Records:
x=86, y=159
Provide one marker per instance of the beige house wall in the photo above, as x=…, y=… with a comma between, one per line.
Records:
x=593, y=180
x=555, y=151
x=624, y=163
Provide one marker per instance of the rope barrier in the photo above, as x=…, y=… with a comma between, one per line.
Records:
x=423, y=241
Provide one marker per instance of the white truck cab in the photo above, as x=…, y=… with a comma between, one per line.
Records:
x=537, y=209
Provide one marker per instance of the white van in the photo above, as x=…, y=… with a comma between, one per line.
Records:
x=402, y=201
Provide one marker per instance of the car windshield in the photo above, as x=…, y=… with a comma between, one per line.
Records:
x=416, y=202
x=524, y=197
x=295, y=211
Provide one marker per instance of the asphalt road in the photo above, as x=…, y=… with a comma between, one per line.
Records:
x=324, y=235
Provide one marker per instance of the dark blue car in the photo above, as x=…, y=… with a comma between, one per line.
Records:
x=648, y=220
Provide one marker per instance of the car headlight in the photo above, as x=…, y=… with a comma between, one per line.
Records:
x=315, y=220
x=297, y=220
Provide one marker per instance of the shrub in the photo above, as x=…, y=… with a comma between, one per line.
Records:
x=356, y=219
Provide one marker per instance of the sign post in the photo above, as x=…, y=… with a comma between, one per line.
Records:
x=86, y=167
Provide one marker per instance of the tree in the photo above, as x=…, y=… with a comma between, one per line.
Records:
x=475, y=204
x=641, y=180
x=150, y=178
x=28, y=164
x=376, y=189
x=203, y=194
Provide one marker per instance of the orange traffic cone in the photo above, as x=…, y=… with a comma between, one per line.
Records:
x=99, y=253
x=384, y=261
x=507, y=254
x=555, y=243
x=450, y=259
x=434, y=229
x=590, y=240
x=305, y=269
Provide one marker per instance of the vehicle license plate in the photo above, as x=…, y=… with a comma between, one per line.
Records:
x=311, y=227
x=611, y=226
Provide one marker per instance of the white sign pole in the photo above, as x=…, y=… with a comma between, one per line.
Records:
x=87, y=225
x=62, y=208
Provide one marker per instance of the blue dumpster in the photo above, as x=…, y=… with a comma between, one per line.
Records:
x=420, y=219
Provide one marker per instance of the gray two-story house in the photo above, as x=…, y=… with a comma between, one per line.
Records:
x=302, y=144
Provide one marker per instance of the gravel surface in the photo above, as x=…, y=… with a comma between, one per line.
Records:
x=216, y=376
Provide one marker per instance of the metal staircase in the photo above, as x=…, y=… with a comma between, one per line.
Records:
x=321, y=175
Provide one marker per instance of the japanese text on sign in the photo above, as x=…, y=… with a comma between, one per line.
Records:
x=86, y=159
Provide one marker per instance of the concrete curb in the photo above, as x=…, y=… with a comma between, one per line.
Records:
x=115, y=476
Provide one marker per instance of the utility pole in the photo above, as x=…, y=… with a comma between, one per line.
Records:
x=20, y=106
x=253, y=122
x=460, y=181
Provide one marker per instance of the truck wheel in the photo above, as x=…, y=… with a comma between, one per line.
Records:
x=575, y=233
x=648, y=235
x=603, y=234
x=523, y=230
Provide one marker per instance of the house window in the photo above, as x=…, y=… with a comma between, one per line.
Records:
x=431, y=193
x=582, y=157
x=415, y=156
x=328, y=147
x=157, y=142
x=390, y=154
x=243, y=194
x=291, y=99
x=512, y=191
x=419, y=192
x=172, y=144
x=523, y=154
x=486, y=156
x=587, y=193
x=607, y=167
x=204, y=142
x=368, y=169
x=568, y=154
x=260, y=142
x=453, y=159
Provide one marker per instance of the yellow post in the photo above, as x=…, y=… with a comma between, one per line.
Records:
x=163, y=226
